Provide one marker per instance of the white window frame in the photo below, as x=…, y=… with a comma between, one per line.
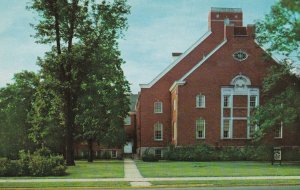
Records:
x=158, y=107
x=200, y=125
x=200, y=98
x=254, y=128
x=127, y=120
x=280, y=131
x=229, y=129
x=228, y=101
x=255, y=101
x=158, y=127
x=236, y=57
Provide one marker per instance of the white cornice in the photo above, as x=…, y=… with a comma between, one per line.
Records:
x=149, y=85
x=203, y=60
x=176, y=83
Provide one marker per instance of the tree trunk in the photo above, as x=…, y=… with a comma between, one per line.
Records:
x=91, y=151
x=68, y=106
x=69, y=119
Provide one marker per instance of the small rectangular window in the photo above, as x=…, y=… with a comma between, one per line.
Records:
x=158, y=107
x=127, y=120
x=200, y=101
x=252, y=101
x=226, y=128
x=200, y=128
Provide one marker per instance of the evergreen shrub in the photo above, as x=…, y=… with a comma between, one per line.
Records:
x=40, y=163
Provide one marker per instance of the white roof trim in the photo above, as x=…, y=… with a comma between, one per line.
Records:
x=149, y=85
x=203, y=60
x=178, y=82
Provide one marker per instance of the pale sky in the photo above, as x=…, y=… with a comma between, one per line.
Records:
x=156, y=29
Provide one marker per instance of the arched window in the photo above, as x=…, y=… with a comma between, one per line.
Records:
x=200, y=128
x=158, y=131
x=158, y=107
x=200, y=101
x=240, y=82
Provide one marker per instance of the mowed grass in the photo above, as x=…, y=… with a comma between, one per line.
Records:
x=64, y=184
x=84, y=169
x=210, y=169
x=227, y=182
x=96, y=169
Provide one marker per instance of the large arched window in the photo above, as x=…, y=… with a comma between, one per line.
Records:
x=240, y=82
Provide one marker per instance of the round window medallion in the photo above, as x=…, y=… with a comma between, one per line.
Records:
x=240, y=55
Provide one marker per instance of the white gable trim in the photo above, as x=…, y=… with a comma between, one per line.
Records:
x=176, y=83
x=203, y=60
x=149, y=85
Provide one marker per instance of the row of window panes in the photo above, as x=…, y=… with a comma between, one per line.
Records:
x=226, y=130
x=200, y=103
x=200, y=130
x=227, y=101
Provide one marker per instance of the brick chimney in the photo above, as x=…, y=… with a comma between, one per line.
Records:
x=219, y=17
x=175, y=55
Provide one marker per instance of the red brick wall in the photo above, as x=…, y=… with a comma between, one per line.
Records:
x=208, y=79
x=160, y=91
x=218, y=71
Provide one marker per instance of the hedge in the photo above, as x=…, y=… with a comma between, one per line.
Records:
x=36, y=164
x=205, y=152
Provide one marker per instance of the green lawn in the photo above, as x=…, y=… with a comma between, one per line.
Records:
x=97, y=169
x=64, y=184
x=84, y=169
x=226, y=182
x=202, y=169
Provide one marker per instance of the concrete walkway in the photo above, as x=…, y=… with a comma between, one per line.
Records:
x=133, y=175
x=150, y=179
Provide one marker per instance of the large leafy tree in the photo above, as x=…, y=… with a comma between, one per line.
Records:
x=76, y=29
x=16, y=101
x=102, y=103
x=279, y=32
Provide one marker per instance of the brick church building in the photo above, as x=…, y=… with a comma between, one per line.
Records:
x=208, y=93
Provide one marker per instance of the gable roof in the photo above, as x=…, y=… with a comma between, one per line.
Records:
x=165, y=71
